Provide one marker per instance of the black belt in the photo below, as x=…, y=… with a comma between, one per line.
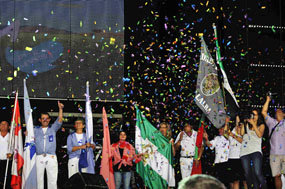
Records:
x=187, y=156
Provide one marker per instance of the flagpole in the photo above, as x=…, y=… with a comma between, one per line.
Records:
x=218, y=54
x=10, y=139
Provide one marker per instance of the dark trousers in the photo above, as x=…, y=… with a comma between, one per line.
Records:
x=2, y=173
x=253, y=172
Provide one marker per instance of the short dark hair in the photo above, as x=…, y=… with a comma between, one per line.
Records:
x=202, y=182
x=44, y=113
x=187, y=124
x=80, y=119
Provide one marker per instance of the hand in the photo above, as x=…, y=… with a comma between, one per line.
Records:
x=227, y=119
x=268, y=98
x=205, y=136
x=26, y=133
x=237, y=119
x=9, y=155
x=171, y=141
x=60, y=105
x=83, y=147
x=141, y=154
x=240, y=125
x=88, y=145
x=252, y=122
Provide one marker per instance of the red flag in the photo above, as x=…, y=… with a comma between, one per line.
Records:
x=106, y=163
x=18, y=160
x=199, y=140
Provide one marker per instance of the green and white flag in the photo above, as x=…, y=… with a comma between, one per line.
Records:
x=156, y=166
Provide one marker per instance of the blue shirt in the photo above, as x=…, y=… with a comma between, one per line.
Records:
x=50, y=138
x=71, y=142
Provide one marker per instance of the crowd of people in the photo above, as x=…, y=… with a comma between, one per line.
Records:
x=238, y=151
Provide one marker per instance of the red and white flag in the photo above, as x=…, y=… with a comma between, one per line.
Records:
x=18, y=160
x=106, y=163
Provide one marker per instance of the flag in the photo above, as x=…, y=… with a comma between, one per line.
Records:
x=106, y=163
x=89, y=132
x=29, y=170
x=156, y=167
x=18, y=161
x=199, y=140
x=231, y=101
x=208, y=92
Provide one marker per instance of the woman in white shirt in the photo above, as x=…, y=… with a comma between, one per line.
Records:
x=234, y=162
x=252, y=134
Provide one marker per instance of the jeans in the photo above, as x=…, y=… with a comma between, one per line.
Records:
x=253, y=174
x=126, y=178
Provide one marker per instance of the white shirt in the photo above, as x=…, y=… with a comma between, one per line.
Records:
x=4, y=142
x=44, y=131
x=234, y=146
x=79, y=138
x=188, y=143
x=250, y=143
x=221, y=145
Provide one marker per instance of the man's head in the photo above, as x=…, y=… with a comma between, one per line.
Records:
x=44, y=119
x=279, y=115
x=221, y=131
x=187, y=127
x=79, y=124
x=201, y=182
x=4, y=126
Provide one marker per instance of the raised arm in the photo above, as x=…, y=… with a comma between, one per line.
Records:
x=242, y=130
x=239, y=139
x=60, y=111
x=238, y=130
x=258, y=130
x=207, y=142
x=227, y=127
x=265, y=107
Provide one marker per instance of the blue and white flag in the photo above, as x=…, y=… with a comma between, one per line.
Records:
x=89, y=131
x=29, y=178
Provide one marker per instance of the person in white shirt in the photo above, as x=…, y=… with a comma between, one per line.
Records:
x=187, y=140
x=251, y=153
x=234, y=162
x=5, y=154
x=221, y=145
